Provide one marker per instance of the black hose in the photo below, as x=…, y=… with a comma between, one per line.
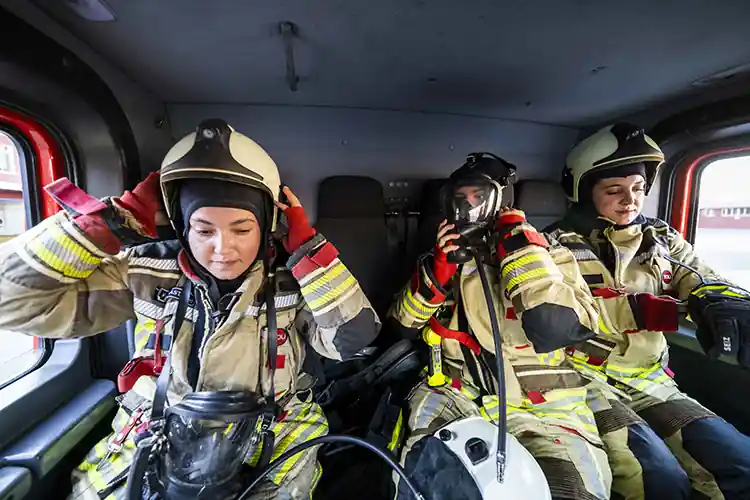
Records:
x=501, y=408
x=134, y=483
x=329, y=439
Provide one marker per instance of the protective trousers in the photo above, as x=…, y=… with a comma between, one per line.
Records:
x=574, y=467
x=293, y=480
x=673, y=449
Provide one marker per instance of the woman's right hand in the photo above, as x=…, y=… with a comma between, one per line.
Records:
x=441, y=268
x=445, y=237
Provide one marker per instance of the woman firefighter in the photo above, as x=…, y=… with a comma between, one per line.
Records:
x=543, y=305
x=644, y=267
x=221, y=330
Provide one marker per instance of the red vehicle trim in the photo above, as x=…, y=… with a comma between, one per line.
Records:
x=50, y=161
x=684, y=187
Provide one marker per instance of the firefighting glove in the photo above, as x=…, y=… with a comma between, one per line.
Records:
x=721, y=313
x=112, y=222
x=300, y=231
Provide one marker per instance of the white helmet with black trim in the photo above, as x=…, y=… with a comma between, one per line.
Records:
x=217, y=151
x=611, y=147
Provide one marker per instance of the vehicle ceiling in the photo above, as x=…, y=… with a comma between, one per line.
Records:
x=575, y=63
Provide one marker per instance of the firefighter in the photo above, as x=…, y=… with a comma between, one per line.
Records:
x=642, y=265
x=543, y=305
x=70, y=277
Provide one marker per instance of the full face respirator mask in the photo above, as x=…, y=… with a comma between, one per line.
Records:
x=472, y=199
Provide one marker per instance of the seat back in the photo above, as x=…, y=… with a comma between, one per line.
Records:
x=543, y=201
x=351, y=214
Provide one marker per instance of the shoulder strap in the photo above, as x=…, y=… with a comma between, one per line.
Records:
x=270, y=293
x=162, y=383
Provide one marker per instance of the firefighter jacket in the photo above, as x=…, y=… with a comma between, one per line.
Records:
x=56, y=282
x=646, y=256
x=543, y=305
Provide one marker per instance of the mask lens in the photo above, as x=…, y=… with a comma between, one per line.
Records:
x=474, y=203
x=205, y=451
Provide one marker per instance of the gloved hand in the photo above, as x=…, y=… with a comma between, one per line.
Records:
x=507, y=220
x=721, y=313
x=142, y=204
x=443, y=270
x=112, y=222
x=300, y=230
x=654, y=313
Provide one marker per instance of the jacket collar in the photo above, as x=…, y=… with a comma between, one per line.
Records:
x=584, y=220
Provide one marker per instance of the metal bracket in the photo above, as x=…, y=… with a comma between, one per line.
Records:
x=288, y=32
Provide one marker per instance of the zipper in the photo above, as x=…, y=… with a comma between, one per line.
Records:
x=208, y=332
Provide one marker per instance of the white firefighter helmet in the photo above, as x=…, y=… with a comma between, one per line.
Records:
x=217, y=151
x=473, y=440
x=611, y=147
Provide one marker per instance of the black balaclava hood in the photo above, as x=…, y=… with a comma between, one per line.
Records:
x=198, y=193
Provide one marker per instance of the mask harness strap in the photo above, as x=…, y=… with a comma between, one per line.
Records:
x=143, y=452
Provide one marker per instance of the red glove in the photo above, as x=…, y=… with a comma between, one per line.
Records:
x=442, y=270
x=655, y=313
x=143, y=203
x=300, y=230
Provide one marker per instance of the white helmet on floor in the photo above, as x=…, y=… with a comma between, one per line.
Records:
x=613, y=146
x=216, y=151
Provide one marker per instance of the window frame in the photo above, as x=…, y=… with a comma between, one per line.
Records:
x=43, y=160
x=684, y=186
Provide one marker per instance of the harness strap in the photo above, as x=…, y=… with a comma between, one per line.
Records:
x=162, y=383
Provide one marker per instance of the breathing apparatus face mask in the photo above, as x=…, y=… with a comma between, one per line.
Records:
x=472, y=199
x=204, y=441
x=209, y=435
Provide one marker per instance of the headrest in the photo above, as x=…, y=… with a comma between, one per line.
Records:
x=350, y=196
x=541, y=198
x=430, y=200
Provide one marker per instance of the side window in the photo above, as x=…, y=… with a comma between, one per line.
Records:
x=722, y=236
x=18, y=353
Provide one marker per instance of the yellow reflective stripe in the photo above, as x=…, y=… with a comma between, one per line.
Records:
x=526, y=259
x=603, y=326
x=529, y=275
x=324, y=279
x=55, y=262
x=396, y=431
x=317, y=474
x=410, y=303
x=287, y=466
x=331, y=295
x=68, y=243
x=553, y=358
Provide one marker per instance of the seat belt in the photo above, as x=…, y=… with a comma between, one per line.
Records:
x=162, y=382
x=269, y=417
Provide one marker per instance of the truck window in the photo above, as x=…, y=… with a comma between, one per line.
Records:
x=18, y=353
x=722, y=236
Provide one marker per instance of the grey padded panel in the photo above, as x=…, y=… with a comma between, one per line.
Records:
x=15, y=483
x=47, y=443
x=543, y=201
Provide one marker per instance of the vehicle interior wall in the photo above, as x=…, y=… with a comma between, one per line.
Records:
x=311, y=143
x=145, y=112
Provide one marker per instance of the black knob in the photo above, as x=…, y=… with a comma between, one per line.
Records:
x=445, y=435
